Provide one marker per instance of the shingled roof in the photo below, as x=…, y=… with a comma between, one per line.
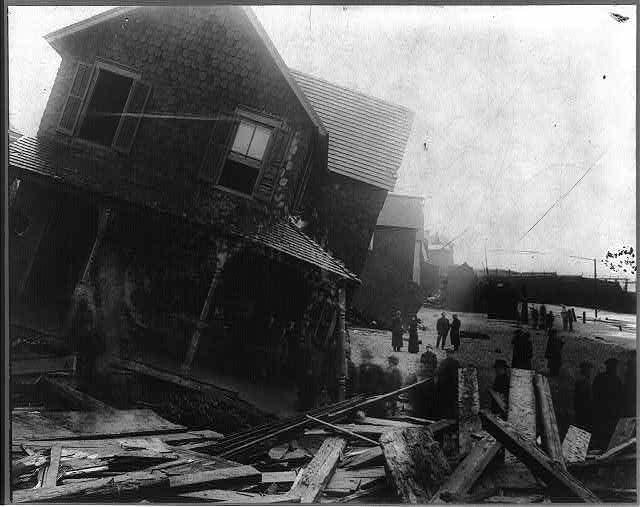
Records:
x=367, y=136
x=44, y=159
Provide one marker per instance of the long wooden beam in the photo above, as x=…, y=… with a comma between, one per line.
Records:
x=468, y=471
x=316, y=475
x=536, y=460
x=550, y=436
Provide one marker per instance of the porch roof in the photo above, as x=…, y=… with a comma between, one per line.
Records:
x=37, y=158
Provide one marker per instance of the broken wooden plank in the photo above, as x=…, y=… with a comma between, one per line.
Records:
x=378, y=487
x=237, y=497
x=80, y=401
x=415, y=463
x=377, y=421
x=550, y=436
x=212, y=478
x=539, y=463
x=342, y=429
x=368, y=457
x=180, y=380
x=468, y=408
x=624, y=446
x=521, y=412
x=575, y=445
x=499, y=401
x=468, y=471
x=625, y=430
x=344, y=482
x=51, y=473
x=43, y=365
x=278, y=477
x=84, y=425
x=111, y=487
x=441, y=425
x=510, y=500
x=409, y=418
x=315, y=476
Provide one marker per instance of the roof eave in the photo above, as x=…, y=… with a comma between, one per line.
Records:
x=275, y=55
x=54, y=38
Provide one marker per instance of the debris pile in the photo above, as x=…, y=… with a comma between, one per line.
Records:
x=333, y=454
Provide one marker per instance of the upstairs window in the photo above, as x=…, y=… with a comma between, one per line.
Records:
x=246, y=154
x=244, y=162
x=104, y=105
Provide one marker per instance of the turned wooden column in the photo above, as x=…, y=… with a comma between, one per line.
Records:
x=340, y=338
x=221, y=260
x=106, y=218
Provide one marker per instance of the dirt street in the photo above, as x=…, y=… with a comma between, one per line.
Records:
x=580, y=345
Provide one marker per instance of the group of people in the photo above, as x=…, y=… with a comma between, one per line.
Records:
x=599, y=404
x=371, y=379
x=523, y=351
x=443, y=328
x=543, y=319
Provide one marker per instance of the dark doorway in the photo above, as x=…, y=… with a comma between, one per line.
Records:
x=58, y=264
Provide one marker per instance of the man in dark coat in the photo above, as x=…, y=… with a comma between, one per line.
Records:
x=455, y=332
x=583, y=397
x=421, y=398
x=447, y=386
x=607, y=400
x=413, y=335
x=442, y=328
x=534, y=317
x=371, y=381
x=522, y=350
x=553, y=353
x=88, y=344
x=543, y=317
x=396, y=331
x=500, y=383
x=394, y=382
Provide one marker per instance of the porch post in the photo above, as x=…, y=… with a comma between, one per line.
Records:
x=195, y=338
x=340, y=338
x=106, y=217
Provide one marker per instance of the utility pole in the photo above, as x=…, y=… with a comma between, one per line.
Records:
x=595, y=288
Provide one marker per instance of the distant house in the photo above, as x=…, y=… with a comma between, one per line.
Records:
x=392, y=273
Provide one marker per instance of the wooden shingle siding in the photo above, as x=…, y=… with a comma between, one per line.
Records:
x=367, y=136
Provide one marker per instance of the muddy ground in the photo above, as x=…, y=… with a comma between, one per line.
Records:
x=580, y=345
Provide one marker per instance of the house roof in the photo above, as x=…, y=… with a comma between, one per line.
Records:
x=14, y=135
x=367, y=136
x=406, y=211
x=54, y=37
x=55, y=162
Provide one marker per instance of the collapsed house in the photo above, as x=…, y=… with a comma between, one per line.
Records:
x=391, y=277
x=210, y=208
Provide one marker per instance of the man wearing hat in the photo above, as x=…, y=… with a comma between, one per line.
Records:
x=442, y=327
x=455, y=332
x=501, y=382
x=447, y=386
x=607, y=401
x=583, y=397
x=421, y=398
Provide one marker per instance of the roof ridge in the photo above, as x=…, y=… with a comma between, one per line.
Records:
x=351, y=90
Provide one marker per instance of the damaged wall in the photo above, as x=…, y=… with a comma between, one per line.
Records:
x=202, y=62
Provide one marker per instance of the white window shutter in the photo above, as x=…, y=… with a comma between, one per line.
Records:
x=222, y=136
x=131, y=116
x=77, y=93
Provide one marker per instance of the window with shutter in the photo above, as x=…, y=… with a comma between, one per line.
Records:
x=71, y=110
x=105, y=105
x=250, y=157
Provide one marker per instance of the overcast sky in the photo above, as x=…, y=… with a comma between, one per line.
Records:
x=514, y=105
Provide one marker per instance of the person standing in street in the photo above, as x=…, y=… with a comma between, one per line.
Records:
x=394, y=382
x=543, y=317
x=534, y=317
x=447, y=386
x=413, y=335
x=396, y=332
x=500, y=384
x=455, y=332
x=442, y=328
x=553, y=353
x=565, y=317
x=522, y=350
x=607, y=402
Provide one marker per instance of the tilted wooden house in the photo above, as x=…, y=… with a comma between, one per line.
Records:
x=174, y=158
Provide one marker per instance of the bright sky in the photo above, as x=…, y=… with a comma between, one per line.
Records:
x=514, y=105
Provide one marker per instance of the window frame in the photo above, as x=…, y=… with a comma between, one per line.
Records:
x=114, y=68
x=256, y=119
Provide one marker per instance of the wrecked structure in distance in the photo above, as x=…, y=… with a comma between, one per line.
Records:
x=211, y=207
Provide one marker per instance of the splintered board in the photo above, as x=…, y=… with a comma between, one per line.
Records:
x=27, y=426
x=521, y=412
x=468, y=408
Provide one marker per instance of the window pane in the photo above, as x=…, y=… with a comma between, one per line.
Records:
x=259, y=142
x=243, y=138
x=239, y=177
x=105, y=107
